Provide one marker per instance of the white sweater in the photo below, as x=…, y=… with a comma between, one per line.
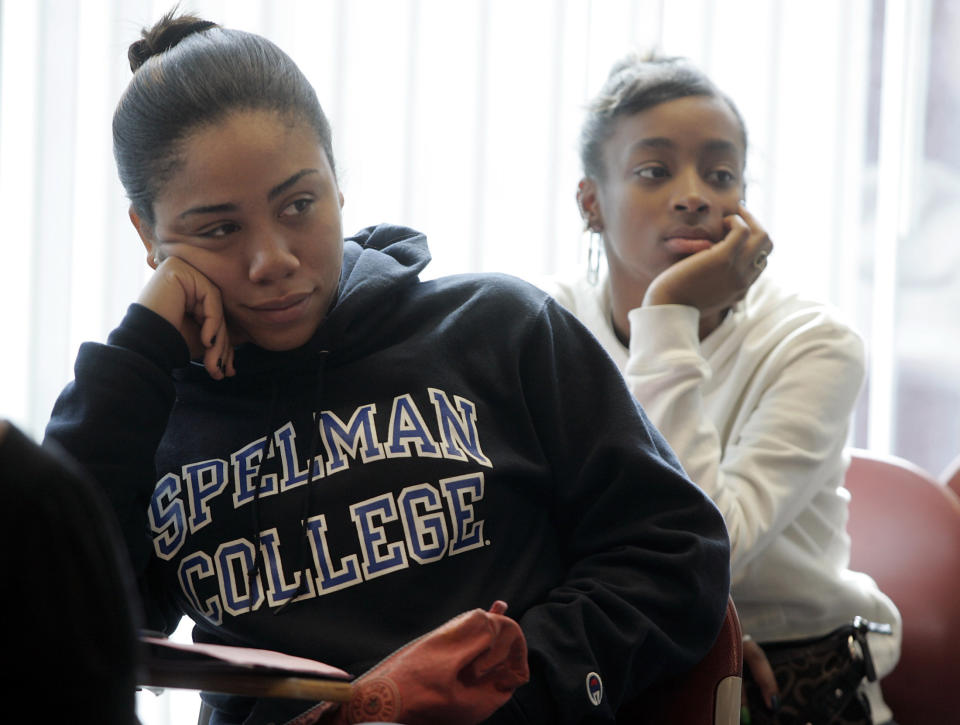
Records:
x=758, y=414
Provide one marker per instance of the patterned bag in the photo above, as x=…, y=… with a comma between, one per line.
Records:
x=819, y=678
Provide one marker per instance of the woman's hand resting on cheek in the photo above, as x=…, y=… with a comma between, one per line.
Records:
x=714, y=279
x=189, y=301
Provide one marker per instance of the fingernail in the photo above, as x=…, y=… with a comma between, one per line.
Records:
x=774, y=702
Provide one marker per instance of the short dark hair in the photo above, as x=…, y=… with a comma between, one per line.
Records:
x=636, y=83
x=189, y=73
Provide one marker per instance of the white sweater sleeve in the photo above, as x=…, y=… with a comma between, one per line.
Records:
x=785, y=427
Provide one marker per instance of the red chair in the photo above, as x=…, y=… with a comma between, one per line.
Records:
x=905, y=532
x=709, y=694
x=950, y=476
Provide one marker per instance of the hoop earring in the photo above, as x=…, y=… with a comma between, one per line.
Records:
x=594, y=252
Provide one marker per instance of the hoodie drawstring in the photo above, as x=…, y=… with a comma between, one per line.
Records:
x=267, y=441
x=308, y=493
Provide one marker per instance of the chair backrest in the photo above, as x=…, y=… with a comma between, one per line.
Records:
x=905, y=533
x=709, y=694
x=950, y=476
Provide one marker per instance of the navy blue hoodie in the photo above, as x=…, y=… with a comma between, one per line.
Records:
x=470, y=441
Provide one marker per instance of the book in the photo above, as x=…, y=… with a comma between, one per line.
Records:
x=240, y=671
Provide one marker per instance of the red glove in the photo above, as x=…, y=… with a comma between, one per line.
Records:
x=458, y=674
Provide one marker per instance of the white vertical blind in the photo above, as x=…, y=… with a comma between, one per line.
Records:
x=18, y=181
x=905, y=36
x=850, y=114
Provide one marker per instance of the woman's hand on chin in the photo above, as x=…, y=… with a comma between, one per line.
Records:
x=189, y=301
x=716, y=278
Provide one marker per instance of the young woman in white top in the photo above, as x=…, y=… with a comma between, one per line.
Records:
x=752, y=387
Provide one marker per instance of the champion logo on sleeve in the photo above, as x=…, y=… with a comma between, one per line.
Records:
x=594, y=688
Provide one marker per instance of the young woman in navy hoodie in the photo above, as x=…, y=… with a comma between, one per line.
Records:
x=311, y=450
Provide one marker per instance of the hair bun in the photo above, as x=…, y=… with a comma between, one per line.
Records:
x=164, y=35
